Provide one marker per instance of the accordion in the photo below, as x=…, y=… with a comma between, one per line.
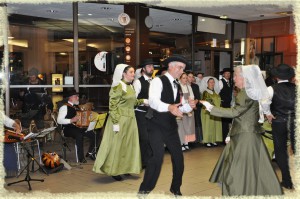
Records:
x=85, y=117
x=12, y=137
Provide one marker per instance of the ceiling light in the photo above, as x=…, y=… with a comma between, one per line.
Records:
x=90, y=14
x=10, y=37
x=52, y=11
x=202, y=19
x=79, y=14
x=63, y=53
x=284, y=13
x=223, y=16
x=177, y=19
x=106, y=8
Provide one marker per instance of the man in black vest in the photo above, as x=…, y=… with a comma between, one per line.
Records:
x=164, y=100
x=141, y=87
x=226, y=89
x=67, y=118
x=283, y=95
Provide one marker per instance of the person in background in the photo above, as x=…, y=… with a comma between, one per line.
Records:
x=119, y=151
x=67, y=118
x=282, y=117
x=197, y=109
x=164, y=100
x=141, y=87
x=244, y=167
x=186, y=124
x=10, y=156
x=211, y=125
x=33, y=79
x=226, y=89
x=198, y=78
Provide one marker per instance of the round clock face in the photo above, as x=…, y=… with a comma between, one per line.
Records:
x=100, y=61
x=124, y=19
x=149, y=22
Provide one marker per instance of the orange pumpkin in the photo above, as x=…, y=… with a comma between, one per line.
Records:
x=51, y=160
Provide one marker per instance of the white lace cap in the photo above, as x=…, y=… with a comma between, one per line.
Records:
x=254, y=83
x=118, y=74
x=203, y=85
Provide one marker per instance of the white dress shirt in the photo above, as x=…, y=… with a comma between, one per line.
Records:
x=7, y=121
x=137, y=88
x=268, y=102
x=137, y=85
x=221, y=83
x=155, y=90
x=62, y=113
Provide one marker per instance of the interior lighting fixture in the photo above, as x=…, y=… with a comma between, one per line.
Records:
x=285, y=13
x=52, y=11
x=177, y=19
x=10, y=37
x=90, y=14
x=203, y=19
x=106, y=8
x=223, y=16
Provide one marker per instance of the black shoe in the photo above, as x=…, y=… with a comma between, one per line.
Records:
x=83, y=161
x=287, y=185
x=127, y=174
x=176, y=193
x=117, y=178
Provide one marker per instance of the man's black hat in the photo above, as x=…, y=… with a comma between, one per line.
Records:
x=70, y=92
x=177, y=58
x=226, y=70
x=283, y=71
x=146, y=62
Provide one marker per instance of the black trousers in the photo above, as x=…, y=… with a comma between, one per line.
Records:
x=145, y=147
x=78, y=134
x=225, y=122
x=281, y=128
x=158, y=136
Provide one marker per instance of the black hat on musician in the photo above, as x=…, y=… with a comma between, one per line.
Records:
x=283, y=72
x=177, y=58
x=70, y=92
x=226, y=70
x=146, y=62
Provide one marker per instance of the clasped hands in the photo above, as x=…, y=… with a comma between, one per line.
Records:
x=178, y=109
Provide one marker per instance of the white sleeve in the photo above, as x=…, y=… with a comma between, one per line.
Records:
x=220, y=84
x=155, y=96
x=265, y=103
x=137, y=87
x=8, y=122
x=62, y=113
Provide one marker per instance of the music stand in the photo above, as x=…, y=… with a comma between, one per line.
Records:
x=27, y=178
x=63, y=139
x=98, y=124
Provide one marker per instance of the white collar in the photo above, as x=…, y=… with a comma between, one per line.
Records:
x=146, y=77
x=71, y=103
x=170, y=77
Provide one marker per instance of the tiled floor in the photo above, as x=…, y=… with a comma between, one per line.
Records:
x=81, y=180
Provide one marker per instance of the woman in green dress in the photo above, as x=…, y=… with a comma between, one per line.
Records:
x=119, y=152
x=211, y=125
x=244, y=167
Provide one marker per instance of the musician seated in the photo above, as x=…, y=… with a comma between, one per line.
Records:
x=67, y=118
x=10, y=156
